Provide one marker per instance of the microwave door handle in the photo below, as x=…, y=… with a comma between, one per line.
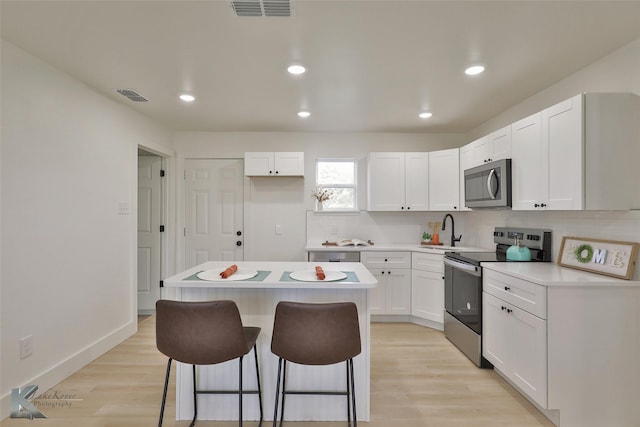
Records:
x=490, y=178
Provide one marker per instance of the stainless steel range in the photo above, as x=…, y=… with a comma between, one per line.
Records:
x=463, y=285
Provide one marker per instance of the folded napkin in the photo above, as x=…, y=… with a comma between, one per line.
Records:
x=320, y=273
x=229, y=271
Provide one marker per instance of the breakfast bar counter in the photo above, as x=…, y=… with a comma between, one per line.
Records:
x=256, y=288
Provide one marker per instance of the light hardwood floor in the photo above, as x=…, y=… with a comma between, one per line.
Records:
x=417, y=379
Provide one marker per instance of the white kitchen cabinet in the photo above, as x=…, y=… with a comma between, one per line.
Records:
x=573, y=155
x=398, y=181
x=444, y=180
x=392, y=296
x=427, y=287
x=515, y=342
x=286, y=163
x=499, y=144
x=567, y=339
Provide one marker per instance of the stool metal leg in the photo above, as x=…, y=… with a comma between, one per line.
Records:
x=353, y=393
x=275, y=410
x=284, y=391
x=240, y=396
x=348, y=395
x=164, y=393
x=255, y=353
x=195, y=397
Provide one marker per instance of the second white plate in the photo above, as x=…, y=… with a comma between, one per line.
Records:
x=310, y=276
x=214, y=275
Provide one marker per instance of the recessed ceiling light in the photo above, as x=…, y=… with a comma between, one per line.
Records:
x=474, y=70
x=425, y=115
x=296, y=69
x=187, y=98
x=304, y=114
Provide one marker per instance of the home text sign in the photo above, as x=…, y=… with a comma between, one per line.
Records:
x=607, y=257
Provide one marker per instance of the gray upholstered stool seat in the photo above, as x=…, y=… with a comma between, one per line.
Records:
x=316, y=334
x=204, y=333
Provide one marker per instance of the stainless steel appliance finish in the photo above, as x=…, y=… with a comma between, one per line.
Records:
x=488, y=186
x=463, y=286
x=333, y=256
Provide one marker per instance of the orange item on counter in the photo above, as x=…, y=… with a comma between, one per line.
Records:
x=435, y=238
x=229, y=271
x=320, y=273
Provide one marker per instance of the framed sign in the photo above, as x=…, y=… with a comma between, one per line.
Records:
x=608, y=257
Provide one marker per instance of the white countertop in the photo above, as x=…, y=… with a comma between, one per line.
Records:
x=550, y=274
x=409, y=247
x=273, y=279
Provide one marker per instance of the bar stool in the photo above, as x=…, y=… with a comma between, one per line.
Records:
x=204, y=333
x=316, y=334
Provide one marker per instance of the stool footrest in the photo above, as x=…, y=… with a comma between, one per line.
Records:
x=320, y=392
x=227, y=391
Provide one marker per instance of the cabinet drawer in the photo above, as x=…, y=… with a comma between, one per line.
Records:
x=386, y=259
x=528, y=296
x=427, y=262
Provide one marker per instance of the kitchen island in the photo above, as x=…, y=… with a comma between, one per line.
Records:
x=256, y=288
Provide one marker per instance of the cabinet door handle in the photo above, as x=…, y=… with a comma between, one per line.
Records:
x=509, y=310
x=503, y=307
x=506, y=288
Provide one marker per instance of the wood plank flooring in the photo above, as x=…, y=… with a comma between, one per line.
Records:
x=417, y=379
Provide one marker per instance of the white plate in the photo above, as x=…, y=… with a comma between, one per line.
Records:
x=310, y=276
x=214, y=275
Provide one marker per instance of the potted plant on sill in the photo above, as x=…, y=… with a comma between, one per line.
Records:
x=321, y=195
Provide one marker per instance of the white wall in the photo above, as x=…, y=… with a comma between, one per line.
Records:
x=285, y=201
x=69, y=158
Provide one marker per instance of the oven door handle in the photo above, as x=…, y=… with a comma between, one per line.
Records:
x=471, y=269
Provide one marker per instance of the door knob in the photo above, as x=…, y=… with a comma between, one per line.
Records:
x=238, y=243
x=238, y=233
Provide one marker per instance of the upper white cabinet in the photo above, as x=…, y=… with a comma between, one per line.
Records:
x=444, y=180
x=499, y=144
x=489, y=148
x=274, y=163
x=398, y=181
x=578, y=154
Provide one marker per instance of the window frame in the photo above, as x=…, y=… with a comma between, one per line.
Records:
x=354, y=186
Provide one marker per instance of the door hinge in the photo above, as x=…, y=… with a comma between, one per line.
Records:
x=162, y=173
x=162, y=228
x=162, y=283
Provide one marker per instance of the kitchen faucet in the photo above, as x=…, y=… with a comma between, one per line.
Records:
x=453, y=229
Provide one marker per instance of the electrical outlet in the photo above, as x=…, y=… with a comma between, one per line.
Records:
x=278, y=229
x=26, y=346
x=123, y=208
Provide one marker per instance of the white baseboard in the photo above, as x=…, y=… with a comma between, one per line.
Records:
x=72, y=364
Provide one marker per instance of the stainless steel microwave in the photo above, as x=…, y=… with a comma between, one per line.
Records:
x=488, y=186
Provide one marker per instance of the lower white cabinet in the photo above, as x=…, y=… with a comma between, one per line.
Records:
x=515, y=341
x=393, y=293
x=568, y=340
x=393, y=272
x=427, y=287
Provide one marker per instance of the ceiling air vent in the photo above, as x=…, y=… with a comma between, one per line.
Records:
x=132, y=95
x=261, y=7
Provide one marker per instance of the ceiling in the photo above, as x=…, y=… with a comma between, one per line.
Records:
x=372, y=65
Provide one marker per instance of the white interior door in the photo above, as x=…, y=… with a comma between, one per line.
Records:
x=149, y=243
x=213, y=211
